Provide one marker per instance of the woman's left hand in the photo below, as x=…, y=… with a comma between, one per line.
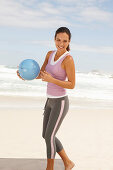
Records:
x=45, y=76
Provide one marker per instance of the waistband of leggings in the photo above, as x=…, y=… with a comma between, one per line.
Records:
x=58, y=98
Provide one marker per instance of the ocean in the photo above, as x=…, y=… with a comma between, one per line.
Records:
x=92, y=85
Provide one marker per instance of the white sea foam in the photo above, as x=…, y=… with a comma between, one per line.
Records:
x=92, y=85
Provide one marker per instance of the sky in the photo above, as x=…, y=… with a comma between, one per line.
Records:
x=27, y=30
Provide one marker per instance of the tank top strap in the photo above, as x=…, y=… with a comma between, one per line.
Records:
x=51, y=55
x=60, y=61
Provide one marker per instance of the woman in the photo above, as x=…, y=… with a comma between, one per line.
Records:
x=58, y=66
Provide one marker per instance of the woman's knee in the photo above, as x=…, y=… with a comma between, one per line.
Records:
x=47, y=137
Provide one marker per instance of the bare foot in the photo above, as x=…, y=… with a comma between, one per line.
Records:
x=69, y=165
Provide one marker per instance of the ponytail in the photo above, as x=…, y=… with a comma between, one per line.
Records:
x=68, y=48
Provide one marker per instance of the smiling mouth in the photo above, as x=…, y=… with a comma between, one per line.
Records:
x=60, y=47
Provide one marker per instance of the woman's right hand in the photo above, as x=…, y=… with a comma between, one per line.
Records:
x=19, y=75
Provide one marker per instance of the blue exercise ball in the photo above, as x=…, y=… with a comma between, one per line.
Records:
x=29, y=69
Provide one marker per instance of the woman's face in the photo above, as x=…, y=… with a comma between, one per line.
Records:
x=62, y=41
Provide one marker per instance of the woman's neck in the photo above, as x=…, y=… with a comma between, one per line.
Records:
x=59, y=53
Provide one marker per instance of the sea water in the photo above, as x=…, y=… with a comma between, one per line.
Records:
x=92, y=85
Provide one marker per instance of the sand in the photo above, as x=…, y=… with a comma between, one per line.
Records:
x=86, y=132
x=28, y=164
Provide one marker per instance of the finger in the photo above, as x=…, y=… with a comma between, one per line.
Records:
x=46, y=72
x=18, y=73
x=41, y=73
x=22, y=78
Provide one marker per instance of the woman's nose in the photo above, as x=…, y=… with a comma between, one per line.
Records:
x=61, y=43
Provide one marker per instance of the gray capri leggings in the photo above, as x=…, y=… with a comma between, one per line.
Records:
x=54, y=112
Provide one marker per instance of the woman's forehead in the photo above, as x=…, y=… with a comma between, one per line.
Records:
x=62, y=35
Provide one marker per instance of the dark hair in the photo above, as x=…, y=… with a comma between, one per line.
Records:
x=64, y=30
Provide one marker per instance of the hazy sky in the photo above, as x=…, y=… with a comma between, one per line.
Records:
x=27, y=29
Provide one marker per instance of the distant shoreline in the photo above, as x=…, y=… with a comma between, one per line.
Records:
x=38, y=102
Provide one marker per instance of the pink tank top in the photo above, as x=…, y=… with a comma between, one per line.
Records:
x=55, y=69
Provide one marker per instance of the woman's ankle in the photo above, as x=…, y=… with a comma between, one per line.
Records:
x=64, y=157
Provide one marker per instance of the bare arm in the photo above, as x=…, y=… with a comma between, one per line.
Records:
x=44, y=64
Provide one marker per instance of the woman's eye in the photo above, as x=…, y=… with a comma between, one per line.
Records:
x=65, y=41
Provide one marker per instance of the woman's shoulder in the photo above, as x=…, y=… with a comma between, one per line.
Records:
x=68, y=58
x=48, y=54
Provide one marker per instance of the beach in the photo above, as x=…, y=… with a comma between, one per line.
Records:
x=86, y=132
